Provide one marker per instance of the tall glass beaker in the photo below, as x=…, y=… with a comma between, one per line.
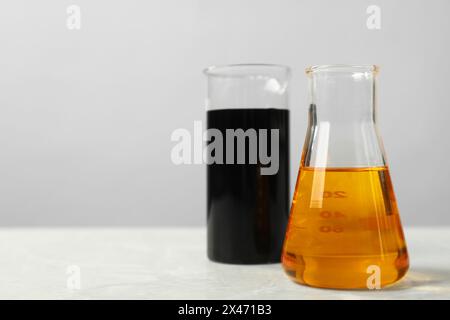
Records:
x=248, y=162
x=344, y=228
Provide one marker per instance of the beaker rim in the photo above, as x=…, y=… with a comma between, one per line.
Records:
x=244, y=70
x=343, y=68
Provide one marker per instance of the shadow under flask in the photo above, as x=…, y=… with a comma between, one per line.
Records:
x=344, y=228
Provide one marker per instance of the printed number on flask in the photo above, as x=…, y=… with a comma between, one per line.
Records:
x=339, y=194
x=327, y=229
x=331, y=214
x=335, y=194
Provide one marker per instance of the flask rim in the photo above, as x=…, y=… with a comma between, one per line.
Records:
x=246, y=70
x=342, y=68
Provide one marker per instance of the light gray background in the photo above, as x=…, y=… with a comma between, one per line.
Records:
x=86, y=116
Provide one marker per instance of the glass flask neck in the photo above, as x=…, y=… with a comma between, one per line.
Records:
x=342, y=129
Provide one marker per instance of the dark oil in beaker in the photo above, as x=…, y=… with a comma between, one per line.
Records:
x=343, y=222
x=247, y=212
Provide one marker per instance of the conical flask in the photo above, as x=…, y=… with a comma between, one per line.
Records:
x=344, y=228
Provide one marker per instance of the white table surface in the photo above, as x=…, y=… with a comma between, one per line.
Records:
x=171, y=263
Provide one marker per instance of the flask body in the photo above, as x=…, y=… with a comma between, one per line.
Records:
x=344, y=228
